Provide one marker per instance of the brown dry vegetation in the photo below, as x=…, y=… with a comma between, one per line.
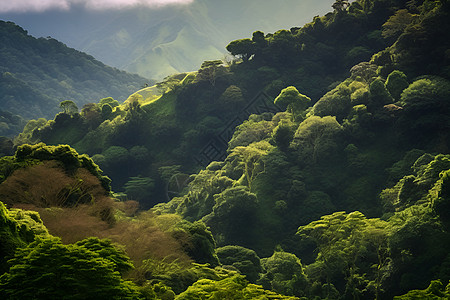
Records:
x=74, y=207
x=143, y=237
x=48, y=185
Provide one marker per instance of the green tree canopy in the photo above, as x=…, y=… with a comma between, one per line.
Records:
x=245, y=260
x=396, y=83
x=283, y=273
x=17, y=229
x=340, y=5
x=295, y=102
x=244, y=48
x=397, y=23
x=317, y=137
x=108, y=100
x=47, y=269
x=69, y=107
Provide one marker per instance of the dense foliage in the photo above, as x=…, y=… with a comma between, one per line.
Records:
x=342, y=191
x=37, y=74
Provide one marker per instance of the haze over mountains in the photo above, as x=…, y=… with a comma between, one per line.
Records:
x=37, y=74
x=316, y=165
x=156, y=42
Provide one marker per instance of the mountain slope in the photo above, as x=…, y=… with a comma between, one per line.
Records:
x=37, y=74
x=164, y=41
x=344, y=193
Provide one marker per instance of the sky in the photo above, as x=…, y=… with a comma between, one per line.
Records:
x=123, y=33
x=26, y=6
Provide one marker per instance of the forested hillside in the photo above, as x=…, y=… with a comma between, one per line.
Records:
x=156, y=41
x=315, y=165
x=37, y=74
x=165, y=42
x=198, y=111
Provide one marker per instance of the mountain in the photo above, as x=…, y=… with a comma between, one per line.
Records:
x=314, y=165
x=37, y=74
x=177, y=120
x=159, y=42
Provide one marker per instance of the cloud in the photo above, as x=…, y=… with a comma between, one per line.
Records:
x=33, y=5
x=44, y=5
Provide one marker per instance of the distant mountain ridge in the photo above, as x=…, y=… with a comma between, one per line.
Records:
x=37, y=74
x=180, y=39
x=159, y=42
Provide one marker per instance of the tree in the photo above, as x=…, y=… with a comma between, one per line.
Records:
x=342, y=242
x=92, y=114
x=396, y=83
x=251, y=158
x=108, y=100
x=426, y=107
x=317, y=137
x=133, y=108
x=340, y=5
x=336, y=102
x=233, y=215
x=244, y=48
x=253, y=130
x=397, y=23
x=210, y=70
x=440, y=197
x=245, y=260
x=259, y=42
x=295, y=102
x=283, y=134
x=140, y=188
x=69, y=107
x=379, y=95
x=47, y=269
x=284, y=274
x=232, y=287
x=106, y=250
x=364, y=70
x=435, y=291
x=200, y=245
x=282, y=48
x=17, y=229
x=231, y=99
x=106, y=111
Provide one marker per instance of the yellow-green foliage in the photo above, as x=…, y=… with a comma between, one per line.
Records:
x=17, y=228
x=245, y=260
x=317, y=137
x=360, y=92
x=97, y=140
x=251, y=159
x=284, y=274
x=27, y=135
x=336, y=102
x=178, y=276
x=190, y=77
x=255, y=129
x=353, y=91
x=435, y=291
x=440, y=196
x=423, y=185
x=295, y=102
x=343, y=242
x=396, y=82
x=234, y=287
x=48, y=269
x=64, y=154
x=430, y=93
